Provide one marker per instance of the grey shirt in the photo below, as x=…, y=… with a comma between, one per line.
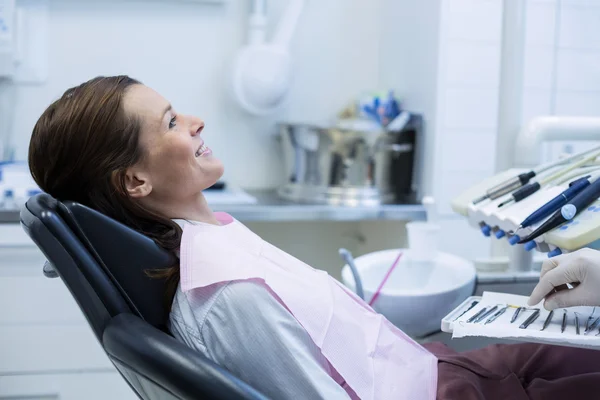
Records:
x=241, y=326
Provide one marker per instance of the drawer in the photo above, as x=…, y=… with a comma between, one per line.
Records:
x=78, y=386
x=36, y=300
x=34, y=348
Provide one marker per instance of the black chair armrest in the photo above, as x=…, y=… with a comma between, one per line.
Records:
x=161, y=358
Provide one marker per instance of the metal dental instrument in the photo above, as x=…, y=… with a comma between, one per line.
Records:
x=577, y=323
x=485, y=314
x=522, y=179
x=592, y=326
x=474, y=317
x=516, y=315
x=532, y=187
x=590, y=318
x=531, y=319
x=473, y=304
x=506, y=187
x=495, y=316
x=564, y=322
x=548, y=320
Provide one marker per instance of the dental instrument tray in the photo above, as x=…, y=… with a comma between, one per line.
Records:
x=507, y=316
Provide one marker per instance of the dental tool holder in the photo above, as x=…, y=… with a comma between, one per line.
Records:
x=583, y=230
x=502, y=223
x=523, y=328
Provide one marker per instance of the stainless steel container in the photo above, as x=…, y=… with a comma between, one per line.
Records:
x=347, y=167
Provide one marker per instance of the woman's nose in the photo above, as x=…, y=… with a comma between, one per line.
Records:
x=196, y=126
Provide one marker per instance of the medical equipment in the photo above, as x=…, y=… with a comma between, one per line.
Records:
x=522, y=179
x=533, y=187
x=548, y=320
x=262, y=70
x=582, y=200
x=473, y=304
x=352, y=167
x=485, y=314
x=590, y=318
x=516, y=314
x=556, y=203
x=533, y=324
x=495, y=316
x=125, y=310
x=563, y=326
x=531, y=319
x=583, y=230
x=476, y=316
x=593, y=326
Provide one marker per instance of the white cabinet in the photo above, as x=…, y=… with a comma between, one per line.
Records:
x=66, y=386
x=47, y=349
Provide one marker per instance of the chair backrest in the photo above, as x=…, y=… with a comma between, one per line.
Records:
x=124, y=256
x=102, y=263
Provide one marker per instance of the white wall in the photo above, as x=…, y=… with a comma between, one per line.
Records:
x=562, y=64
x=184, y=51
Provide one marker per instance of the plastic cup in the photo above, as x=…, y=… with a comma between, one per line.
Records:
x=423, y=238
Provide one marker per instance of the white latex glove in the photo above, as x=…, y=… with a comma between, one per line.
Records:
x=581, y=269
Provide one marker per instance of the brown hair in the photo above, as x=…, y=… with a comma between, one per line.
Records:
x=80, y=149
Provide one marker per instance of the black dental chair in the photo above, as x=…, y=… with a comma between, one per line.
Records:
x=102, y=263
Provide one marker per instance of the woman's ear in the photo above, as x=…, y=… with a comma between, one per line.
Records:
x=137, y=183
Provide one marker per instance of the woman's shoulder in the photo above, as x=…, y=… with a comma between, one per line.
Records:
x=222, y=299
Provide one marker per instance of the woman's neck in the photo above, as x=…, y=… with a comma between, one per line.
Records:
x=196, y=209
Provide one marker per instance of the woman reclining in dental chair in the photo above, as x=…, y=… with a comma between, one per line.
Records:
x=285, y=328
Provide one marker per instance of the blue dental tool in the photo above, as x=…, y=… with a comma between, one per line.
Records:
x=581, y=201
x=574, y=188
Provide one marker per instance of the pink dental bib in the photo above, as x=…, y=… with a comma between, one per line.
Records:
x=376, y=359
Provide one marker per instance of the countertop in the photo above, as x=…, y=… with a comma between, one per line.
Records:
x=272, y=208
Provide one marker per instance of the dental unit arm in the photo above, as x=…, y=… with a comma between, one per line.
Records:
x=504, y=223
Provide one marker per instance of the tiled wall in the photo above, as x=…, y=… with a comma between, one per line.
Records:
x=562, y=64
x=467, y=108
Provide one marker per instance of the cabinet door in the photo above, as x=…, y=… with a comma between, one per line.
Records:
x=88, y=386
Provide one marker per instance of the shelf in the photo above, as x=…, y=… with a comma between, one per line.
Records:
x=271, y=208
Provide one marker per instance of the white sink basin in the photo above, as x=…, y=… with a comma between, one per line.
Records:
x=417, y=295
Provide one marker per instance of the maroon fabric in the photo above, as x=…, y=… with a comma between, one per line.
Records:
x=517, y=371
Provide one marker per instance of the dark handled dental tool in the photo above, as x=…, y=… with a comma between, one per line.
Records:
x=516, y=182
x=506, y=187
x=531, y=319
x=474, y=317
x=473, y=304
x=522, y=193
x=548, y=320
x=516, y=315
x=485, y=314
x=495, y=316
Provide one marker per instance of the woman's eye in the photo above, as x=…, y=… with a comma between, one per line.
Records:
x=172, y=123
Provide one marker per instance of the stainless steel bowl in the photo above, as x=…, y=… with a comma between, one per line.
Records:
x=340, y=166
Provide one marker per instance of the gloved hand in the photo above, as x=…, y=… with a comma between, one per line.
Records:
x=581, y=269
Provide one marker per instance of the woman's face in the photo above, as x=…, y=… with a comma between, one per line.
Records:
x=176, y=164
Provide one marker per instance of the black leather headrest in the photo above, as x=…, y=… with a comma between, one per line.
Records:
x=126, y=255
